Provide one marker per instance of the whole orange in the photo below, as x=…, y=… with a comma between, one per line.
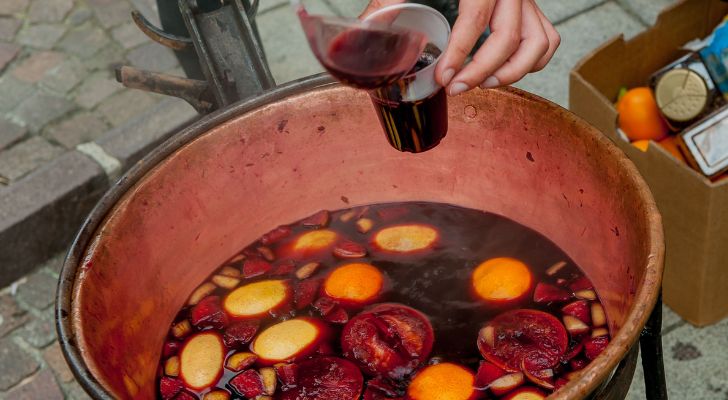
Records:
x=639, y=117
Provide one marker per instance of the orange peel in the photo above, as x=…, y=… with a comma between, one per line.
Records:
x=502, y=279
x=356, y=283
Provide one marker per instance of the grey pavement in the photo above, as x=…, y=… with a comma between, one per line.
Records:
x=60, y=108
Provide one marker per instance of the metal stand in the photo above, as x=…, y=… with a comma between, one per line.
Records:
x=652, y=362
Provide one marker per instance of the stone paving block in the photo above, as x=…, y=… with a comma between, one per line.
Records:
x=65, y=77
x=107, y=59
x=15, y=364
x=41, y=36
x=41, y=386
x=26, y=156
x=579, y=35
x=10, y=7
x=39, y=291
x=558, y=11
x=349, y=8
x=8, y=27
x=41, y=108
x=10, y=133
x=40, y=331
x=647, y=10
x=34, y=68
x=272, y=4
x=11, y=315
x=148, y=8
x=80, y=128
x=13, y=91
x=152, y=57
x=55, y=263
x=53, y=357
x=79, y=16
x=129, y=35
x=126, y=106
x=49, y=10
x=110, y=13
x=8, y=52
x=130, y=142
x=286, y=48
x=74, y=391
x=84, y=41
x=96, y=88
x=40, y=214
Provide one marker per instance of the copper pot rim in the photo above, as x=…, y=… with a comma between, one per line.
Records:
x=598, y=371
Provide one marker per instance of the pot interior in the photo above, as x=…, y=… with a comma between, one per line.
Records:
x=506, y=152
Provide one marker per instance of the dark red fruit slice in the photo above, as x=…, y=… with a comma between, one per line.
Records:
x=208, y=313
x=594, y=346
x=169, y=387
x=324, y=305
x=240, y=333
x=581, y=283
x=337, y=316
x=348, y=249
x=326, y=378
x=253, y=267
x=305, y=292
x=510, y=336
x=545, y=293
x=275, y=235
x=560, y=381
x=287, y=375
x=578, y=309
x=391, y=213
x=171, y=348
x=185, y=395
x=537, y=369
x=318, y=220
x=573, y=351
x=388, y=339
x=487, y=373
x=285, y=267
x=578, y=363
x=379, y=388
x=248, y=384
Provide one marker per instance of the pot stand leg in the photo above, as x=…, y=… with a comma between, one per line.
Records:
x=652, y=361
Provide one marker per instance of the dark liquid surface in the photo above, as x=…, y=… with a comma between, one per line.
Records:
x=437, y=281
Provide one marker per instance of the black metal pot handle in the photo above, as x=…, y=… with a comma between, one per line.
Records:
x=652, y=357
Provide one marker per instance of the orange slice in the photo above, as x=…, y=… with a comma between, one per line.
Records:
x=502, y=279
x=287, y=340
x=257, y=298
x=445, y=381
x=406, y=238
x=319, y=239
x=357, y=283
x=201, y=360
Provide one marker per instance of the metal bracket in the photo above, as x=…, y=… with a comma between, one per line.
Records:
x=652, y=356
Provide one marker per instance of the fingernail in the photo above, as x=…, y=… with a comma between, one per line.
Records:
x=447, y=76
x=491, y=82
x=457, y=88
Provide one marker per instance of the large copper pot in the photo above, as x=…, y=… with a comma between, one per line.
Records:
x=230, y=177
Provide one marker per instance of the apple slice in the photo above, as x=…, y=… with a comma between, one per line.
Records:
x=181, y=329
x=516, y=333
x=257, y=299
x=229, y=271
x=325, y=378
x=275, y=235
x=347, y=216
x=208, y=314
x=364, y=225
x=487, y=373
x=578, y=309
x=599, y=332
x=201, y=292
x=506, y=383
x=266, y=253
x=287, y=374
x=536, y=368
x=217, y=394
x=227, y=282
x=201, y=360
x=240, y=333
x=574, y=350
x=599, y=318
x=408, y=238
x=307, y=270
x=248, y=384
x=240, y=361
x=526, y=393
x=318, y=220
x=554, y=269
x=347, y=249
x=171, y=366
x=314, y=241
x=169, y=387
x=443, y=381
x=269, y=380
x=594, y=346
x=288, y=340
x=575, y=326
x=545, y=293
x=587, y=294
x=253, y=267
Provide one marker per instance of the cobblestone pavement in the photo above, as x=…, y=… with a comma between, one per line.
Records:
x=57, y=92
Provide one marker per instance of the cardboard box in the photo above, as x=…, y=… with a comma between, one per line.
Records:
x=694, y=210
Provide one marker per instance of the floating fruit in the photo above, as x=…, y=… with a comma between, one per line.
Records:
x=517, y=333
x=169, y=387
x=201, y=292
x=506, y=383
x=287, y=374
x=248, y=384
x=581, y=283
x=364, y=225
x=305, y=292
x=443, y=381
x=537, y=369
x=545, y=293
x=256, y=299
x=599, y=332
x=575, y=326
x=288, y=340
x=598, y=317
x=240, y=333
x=253, y=267
x=218, y=394
x=318, y=220
x=201, y=360
x=526, y=393
x=639, y=116
x=208, y=314
x=314, y=241
x=171, y=366
x=587, y=294
x=275, y=235
x=307, y=270
x=330, y=378
x=502, y=279
x=355, y=283
x=594, y=346
x=181, y=329
x=240, y=361
x=487, y=373
x=406, y=238
x=269, y=380
x=388, y=339
x=348, y=249
x=578, y=309
x=554, y=269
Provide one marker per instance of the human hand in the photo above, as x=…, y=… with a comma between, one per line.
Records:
x=522, y=40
